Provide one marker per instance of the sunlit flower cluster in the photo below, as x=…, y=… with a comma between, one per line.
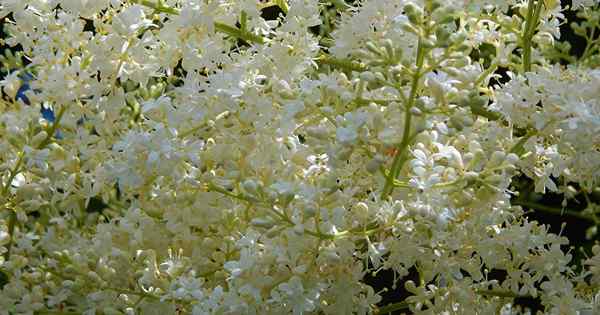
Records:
x=194, y=157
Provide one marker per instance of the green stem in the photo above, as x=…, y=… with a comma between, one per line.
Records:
x=213, y=187
x=518, y=147
x=365, y=101
x=285, y=219
x=12, y=222
x=533, y=15
x=17, y=169
x=555, y=211
x=491, y=69
x=483, y=112
x=52, y=130
x=13, y=172
x=157, y=7
x=243, y=21
x=130, y=292
x=500, y=293
x=392, y=307
x=342, y=64
x=192, y=130
x=281, y=216
x=400, y=158
x=591, y=45
x=237, y=33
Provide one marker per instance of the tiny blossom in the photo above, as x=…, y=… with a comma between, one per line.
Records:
x=130, y=20
x=11, y=84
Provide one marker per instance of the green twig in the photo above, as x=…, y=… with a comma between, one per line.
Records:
x=13, y=172
x=52, y=130
x=518, y=147
x=531, y=23
x=392, y=307
x=237, y=33
x=555, y=211
x=502, y=293
x=342, y=63
x=485, y=74
x=400, y=157
x=157, y=7
x=12, y=222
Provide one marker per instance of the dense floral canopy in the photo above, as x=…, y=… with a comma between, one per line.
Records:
x=193, y=157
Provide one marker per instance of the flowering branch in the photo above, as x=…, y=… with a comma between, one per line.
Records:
x=531, y=23
x=221, y=27
x=358, y=231
x=405, y=305
x=12, y=221
x=401, y=156
x=392, y=308
x=341, y=63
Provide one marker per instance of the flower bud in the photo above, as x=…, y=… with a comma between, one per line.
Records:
x=444, y=16
x=388, y=45
x=379, y=77
x=414, y=13
x=471, y=176
x=458, y=38
x=373, y=165
x=331, y=257
x=251, y=187
x=442, y=35
x=433, y=5
x=416, y=111
x=39, y=138
x=343, y=153
x=310, y=211
x=298, y=229
x=510, y=170
x=367, y=76
x=373, y=49
x=157, y=90
x=409, y=28
x=263, y=223
x=361, y=210
x=456, y=122
x=410, y=286
x=495, y=180
x=362, y=54
x=427, y=43
x=397, y=70
x=496, y=159
x=512, y=158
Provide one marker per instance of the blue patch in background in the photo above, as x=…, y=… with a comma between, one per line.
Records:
x=25, y=78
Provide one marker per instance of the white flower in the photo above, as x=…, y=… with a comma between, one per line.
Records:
x=11, y=84
x=131, y=20
x=295, y=296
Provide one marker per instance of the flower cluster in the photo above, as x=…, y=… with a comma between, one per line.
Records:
x=196, y=157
